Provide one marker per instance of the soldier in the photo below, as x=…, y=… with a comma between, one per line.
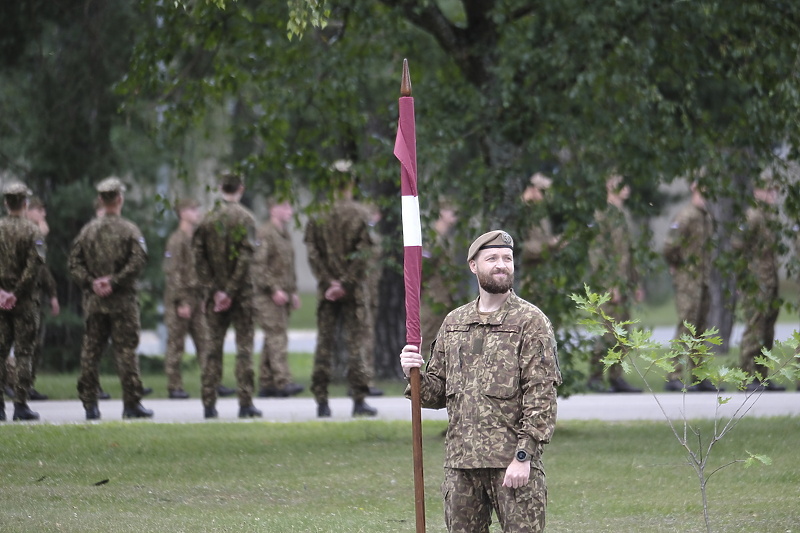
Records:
x=758, y=241
x=182, y=312
x=21, y=259
x=223, y=248
x=106, y=259
x=437, y=296
x=687, y=252
x=47, y=296
x=494, y=367
x=611, y=257
x=541, y=243
x=339, y=250
x=276, y=296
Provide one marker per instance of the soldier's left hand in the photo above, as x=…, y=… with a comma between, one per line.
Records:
x=55, y=309
x=7, y=300
x=517, y=474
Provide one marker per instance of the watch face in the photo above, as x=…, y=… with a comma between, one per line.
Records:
x=522, y=455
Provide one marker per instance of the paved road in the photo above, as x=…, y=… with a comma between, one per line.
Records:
x=612, y=407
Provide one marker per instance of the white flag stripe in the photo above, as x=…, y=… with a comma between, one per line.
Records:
x=412, y=231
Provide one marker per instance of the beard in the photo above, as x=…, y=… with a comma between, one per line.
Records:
x=493, y=285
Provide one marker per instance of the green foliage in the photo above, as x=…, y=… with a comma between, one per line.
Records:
x=697, y=348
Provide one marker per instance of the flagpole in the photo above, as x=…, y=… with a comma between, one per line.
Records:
x=406, y=151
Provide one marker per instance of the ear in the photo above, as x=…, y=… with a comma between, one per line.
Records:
x=473, y=266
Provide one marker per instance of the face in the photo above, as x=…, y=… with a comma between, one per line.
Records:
x=532, y=195
x=494, y=268
x=283, y=211
x=37, y=214
x=191, y=215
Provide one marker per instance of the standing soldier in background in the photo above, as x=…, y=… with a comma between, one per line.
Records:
x=276, y=296
x=21, y=259
x=223, y=251
x=758, y=242
x=339, y=249
x=611, y=257
x=687, y=252
x=182, y=313
x=540, y=243
x=106, y=260
x=437, y=296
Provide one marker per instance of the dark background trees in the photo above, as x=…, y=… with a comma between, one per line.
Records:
x=503, y=88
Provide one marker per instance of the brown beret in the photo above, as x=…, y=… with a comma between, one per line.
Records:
x=493, y=239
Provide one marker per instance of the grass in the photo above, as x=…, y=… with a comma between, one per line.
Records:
x=357, y=477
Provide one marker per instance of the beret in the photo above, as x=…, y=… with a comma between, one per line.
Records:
x=493, y=239
x=111, y=184
x=540, y=181
x=16, y=188
x=230, y=180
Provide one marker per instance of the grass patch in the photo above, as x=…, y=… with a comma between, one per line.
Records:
x=356, y=477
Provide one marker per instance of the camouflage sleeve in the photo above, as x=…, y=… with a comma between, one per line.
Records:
x=137, y=259
x=47, y=282
x=540, y=375
x=263, y=276
x=674, y=243
x=77, y=264
x=34, y=260
x=244, y=258
x=202, y=268
x=315, y=254
x=355, y=271
x=183, y=271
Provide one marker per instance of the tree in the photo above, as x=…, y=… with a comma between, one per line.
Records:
x=503, y=88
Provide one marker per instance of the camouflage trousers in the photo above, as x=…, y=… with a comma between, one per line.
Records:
x=470, y=496
x=356, y=321
x=274, y=321
x=122, y=328
x=19, y=328
x=240, y=315
x=760, y=314
x=11, y=365
x=177, y=329
x=692, y=303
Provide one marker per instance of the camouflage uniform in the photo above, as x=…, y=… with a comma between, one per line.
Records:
x=274, y=269
x=113, y=246
x=496, y=375
x=687, y=251
x=339, y=248
x=21, y=259
x=760, y=303
x=181, y=288
x=223, y=247
x=611, y=258
x=536, y=250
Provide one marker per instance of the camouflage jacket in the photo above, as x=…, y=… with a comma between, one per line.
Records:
x=108, y=246
x=340, y=246
x=757, y=239
x=223, y=247
x=273, y=264
x=21, y=256
x=687, y=249
x=180, y=278
x=611, y=253
x=496, y=376
x=537, y=246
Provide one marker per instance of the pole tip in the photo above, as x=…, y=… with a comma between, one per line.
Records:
x=405, y=84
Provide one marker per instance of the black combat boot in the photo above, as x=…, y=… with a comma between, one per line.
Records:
x=620, y=385
x=178, y=394
x=223, y=391
x=137, y=411
x=360, y=408
x=23, y=412
x=34, y=394
x=210, y=412
x=323, y=410
x=248, y=411
x=92, y=412
x=2, y=411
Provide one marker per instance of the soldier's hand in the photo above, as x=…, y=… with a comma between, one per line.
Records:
x=184, y=311
x=55, y=309
x=410, y=358
x=335, y=291
x=222, y=302
x=102, y=286
x=295, y=301
x=517, y=474
x=280, y=298
x=7, y=300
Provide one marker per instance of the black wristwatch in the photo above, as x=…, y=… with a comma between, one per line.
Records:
x=522, y=456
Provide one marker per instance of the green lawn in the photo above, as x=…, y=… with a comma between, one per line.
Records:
x=357, y=477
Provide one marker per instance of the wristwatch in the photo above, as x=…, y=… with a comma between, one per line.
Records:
x=522, y=456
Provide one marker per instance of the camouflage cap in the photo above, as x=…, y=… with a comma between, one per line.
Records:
x=493, y=239
x=16, y=188
x=540, y=181
x=112, y=184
